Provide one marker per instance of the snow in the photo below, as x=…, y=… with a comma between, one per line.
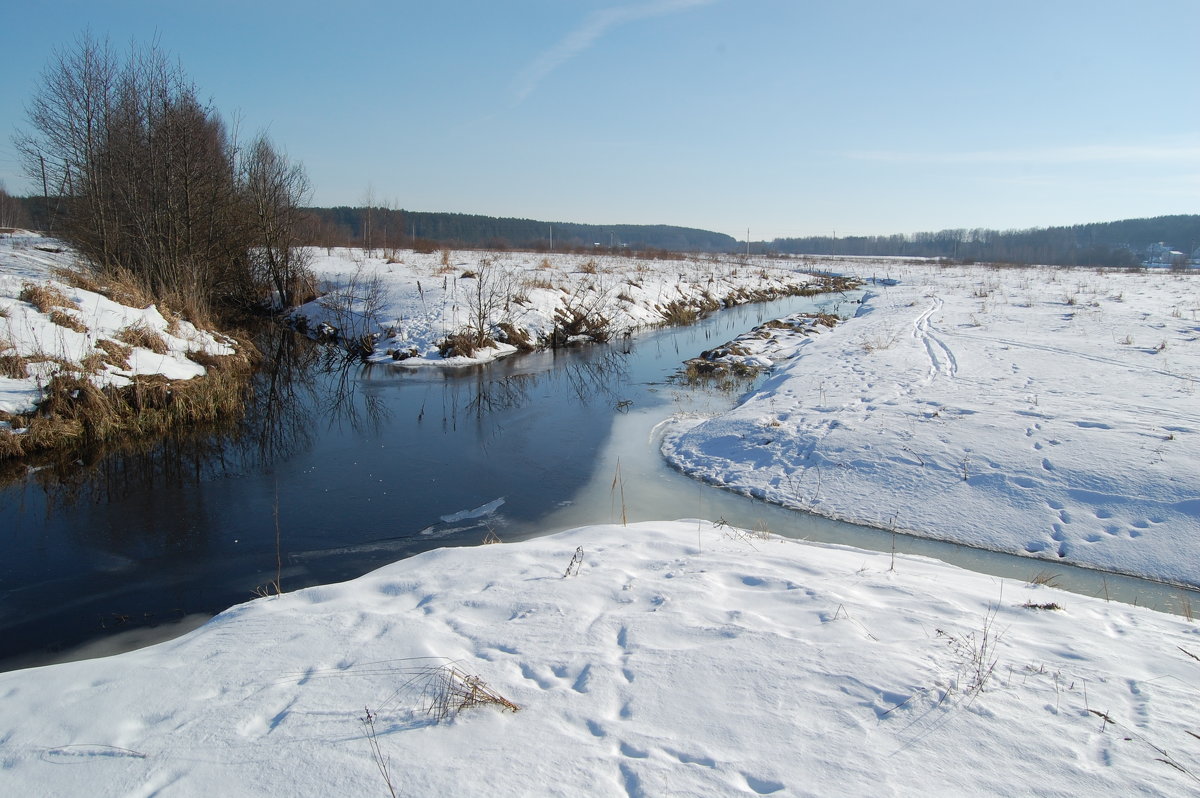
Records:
x=1046, y=412
x=682, y=658
x=25, y=331
x=1038, y=411
x=410, y=302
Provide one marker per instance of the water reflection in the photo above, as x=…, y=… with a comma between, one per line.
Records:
x=363, y=463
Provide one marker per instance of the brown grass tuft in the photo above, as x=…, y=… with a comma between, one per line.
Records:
x=44, y=297
x=13, y=365
x=678, y=313
x=140, y=335
x=115, y=354
x=518, y=337
x=464, y=344
x=64, y=319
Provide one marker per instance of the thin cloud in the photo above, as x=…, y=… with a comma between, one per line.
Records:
x=1092, y=153
x=580, y=39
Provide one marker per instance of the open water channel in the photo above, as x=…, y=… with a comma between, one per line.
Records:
x=339, y=470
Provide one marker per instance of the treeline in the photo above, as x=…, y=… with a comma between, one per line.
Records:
x=1121, y=243
x=375, y=227
x=146, y=182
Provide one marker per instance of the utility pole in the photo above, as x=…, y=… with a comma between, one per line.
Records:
x=747, y=242
x=551, y=238
x=45, y=193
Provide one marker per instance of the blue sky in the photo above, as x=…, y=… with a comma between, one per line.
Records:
x=785, y=117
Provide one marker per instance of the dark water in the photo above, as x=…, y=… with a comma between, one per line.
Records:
x=353, y=468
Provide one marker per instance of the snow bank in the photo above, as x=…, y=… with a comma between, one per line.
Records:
x=408, y=303
x=41, y=343
x=682, y=659
x=1039, y=411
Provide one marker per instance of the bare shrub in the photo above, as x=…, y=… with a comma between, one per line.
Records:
x=975, y=654
x=880, y=341
x=356, y=305
x=489, y=301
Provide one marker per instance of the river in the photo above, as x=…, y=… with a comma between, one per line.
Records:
x=338, y=469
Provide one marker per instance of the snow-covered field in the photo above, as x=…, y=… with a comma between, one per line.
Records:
x=80, y=332
x=1039, y=411
x=412, y=302
x=680, y=659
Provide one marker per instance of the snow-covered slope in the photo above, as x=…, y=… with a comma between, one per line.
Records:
x=1040, y=411
x=80, y=332
x=680, y=659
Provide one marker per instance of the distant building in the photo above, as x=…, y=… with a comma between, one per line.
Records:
x=1161, y=255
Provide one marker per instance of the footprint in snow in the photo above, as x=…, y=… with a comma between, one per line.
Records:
x=633, y=753
x=762, y=786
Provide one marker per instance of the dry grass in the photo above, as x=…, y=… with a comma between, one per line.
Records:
x=678, y=313
x=13, y=365
x=140, y=335
x=450, y=690
x=464, y=344
x=1047, y=578
x=826, y=319
x=77, y=413
x=44, y=297
x=517, y=336
x=538, y=282
x=881, y=341
x=64, y=319
x=115, y=354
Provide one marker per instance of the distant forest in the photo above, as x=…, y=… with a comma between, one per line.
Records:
x=1123, y=243
x=380, y=227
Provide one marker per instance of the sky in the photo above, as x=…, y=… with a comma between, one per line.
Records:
x=777, y=117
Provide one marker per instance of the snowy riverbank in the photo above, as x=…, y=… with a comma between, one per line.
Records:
x=1038, y=411
x=403, y=306
x=681, y=658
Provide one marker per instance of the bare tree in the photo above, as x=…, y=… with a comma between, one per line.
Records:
x=70, y=118
x=148, y=182
x=276, y=190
